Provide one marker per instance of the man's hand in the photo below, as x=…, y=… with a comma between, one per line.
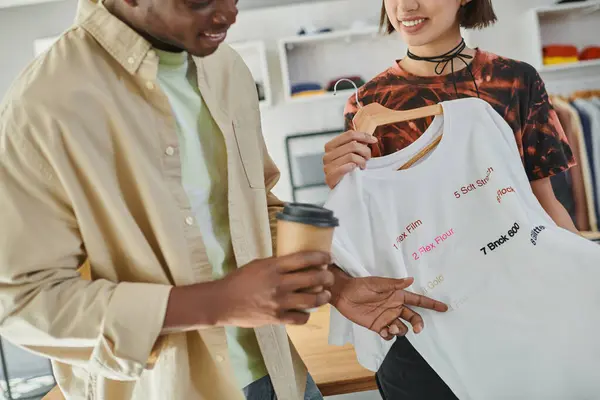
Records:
x=264, y=292
x=274, y=291
x=344, y=153
x=378, y=304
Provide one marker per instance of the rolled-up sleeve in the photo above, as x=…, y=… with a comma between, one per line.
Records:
x=45, y=305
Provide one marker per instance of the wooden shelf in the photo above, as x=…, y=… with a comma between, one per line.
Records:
x=335, y=369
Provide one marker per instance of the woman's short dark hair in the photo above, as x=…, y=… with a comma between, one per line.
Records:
x=476, y=14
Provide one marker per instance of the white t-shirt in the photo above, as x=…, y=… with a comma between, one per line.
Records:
x=464, y=222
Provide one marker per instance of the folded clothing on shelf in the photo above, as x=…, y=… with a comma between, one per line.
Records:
x=345, y=85
x=560, y=54
x=306, y=87
x=590, y=53
x=307, y=93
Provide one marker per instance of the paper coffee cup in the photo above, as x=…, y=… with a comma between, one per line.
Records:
x=304, y=227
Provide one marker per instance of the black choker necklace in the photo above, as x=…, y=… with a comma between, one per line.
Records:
x=443, y=60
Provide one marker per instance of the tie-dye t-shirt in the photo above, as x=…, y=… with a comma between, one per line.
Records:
x=513, y=88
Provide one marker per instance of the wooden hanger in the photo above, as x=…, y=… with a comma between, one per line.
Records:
x=421, y=153
x=374, y=115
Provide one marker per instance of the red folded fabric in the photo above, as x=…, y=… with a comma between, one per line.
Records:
x=590, y=53
x=560, y=50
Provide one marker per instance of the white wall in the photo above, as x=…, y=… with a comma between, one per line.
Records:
x=20, y=26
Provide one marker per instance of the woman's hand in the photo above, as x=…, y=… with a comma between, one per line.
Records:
x=379, y=304
x=344, y=153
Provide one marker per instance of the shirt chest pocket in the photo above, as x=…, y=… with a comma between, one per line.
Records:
x=249, y=150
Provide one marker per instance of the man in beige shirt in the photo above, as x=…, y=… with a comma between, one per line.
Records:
x=95, y=176
x=90, y=169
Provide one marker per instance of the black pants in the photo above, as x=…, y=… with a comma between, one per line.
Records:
x=405, y=375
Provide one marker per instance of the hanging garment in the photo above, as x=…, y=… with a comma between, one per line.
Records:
x=590, y=119
x=583, y=161
x=577, y=188
x=595, y=101
x=464, y=222
x=586, y=167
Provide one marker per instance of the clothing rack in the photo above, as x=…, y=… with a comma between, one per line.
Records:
x=579, y=94
x=579, y=114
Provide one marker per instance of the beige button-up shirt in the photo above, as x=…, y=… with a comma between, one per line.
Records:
x=90, y=170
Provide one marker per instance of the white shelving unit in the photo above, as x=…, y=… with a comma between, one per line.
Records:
x=21, y=3
x=254, y=54
x=576, y=24
x=324, y=57
x=581, y=65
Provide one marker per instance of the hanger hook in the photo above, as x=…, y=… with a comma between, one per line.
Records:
x=355, y=90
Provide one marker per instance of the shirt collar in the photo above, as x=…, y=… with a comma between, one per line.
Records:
x=126, y=46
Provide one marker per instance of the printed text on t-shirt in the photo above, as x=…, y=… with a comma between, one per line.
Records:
x=465, y=190
x=408, y=230
x=432, y=284
x=503, y=192
x=491, y=246
x=535, y=233
x=427, y=248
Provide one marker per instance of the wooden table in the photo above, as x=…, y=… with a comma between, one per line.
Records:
x=54, y=394
x=334, y=368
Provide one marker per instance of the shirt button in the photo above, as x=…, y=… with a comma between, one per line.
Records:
x=150, y=85
x=220, y=358
x=189, y=221
x=131, y=60
x=170, y=151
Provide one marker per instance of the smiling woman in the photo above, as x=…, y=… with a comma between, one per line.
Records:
x=474, y=15
x=439, y=67
x=437, y=16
